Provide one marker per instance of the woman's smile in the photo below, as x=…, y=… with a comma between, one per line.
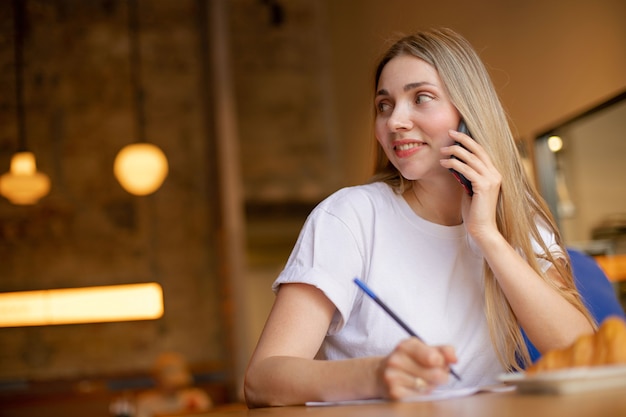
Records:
x=405, y=149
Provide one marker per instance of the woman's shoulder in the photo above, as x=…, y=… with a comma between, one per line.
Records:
x=359, y=197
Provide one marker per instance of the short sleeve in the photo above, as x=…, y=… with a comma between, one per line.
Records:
x=327, y=256
x=554, y=248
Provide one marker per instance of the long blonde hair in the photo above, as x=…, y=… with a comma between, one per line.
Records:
x=520, y=207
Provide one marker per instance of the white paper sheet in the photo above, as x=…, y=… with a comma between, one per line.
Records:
x=435, y=395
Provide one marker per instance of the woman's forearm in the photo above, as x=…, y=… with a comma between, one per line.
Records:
x=285, y=380
x=549, y=320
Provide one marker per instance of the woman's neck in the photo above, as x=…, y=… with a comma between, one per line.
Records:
x=440, y=205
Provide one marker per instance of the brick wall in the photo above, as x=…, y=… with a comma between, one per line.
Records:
x=281, y=62
x=88, y=231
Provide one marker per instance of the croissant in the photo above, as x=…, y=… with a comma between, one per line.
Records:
x=605, y=347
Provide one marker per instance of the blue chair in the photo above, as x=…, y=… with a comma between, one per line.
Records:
x=595, y=289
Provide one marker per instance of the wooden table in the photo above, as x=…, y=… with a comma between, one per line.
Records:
x=614, y=266
x=607, y=403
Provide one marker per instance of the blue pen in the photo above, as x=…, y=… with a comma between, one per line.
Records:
x=393, y=315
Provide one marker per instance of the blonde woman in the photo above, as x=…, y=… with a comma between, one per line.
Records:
x=466, y=272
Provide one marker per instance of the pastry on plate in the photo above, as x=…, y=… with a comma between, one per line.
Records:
x=605, y=347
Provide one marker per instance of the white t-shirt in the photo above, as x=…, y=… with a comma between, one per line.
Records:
x=430, y=275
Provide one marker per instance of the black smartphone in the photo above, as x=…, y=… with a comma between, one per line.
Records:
x=467, y=184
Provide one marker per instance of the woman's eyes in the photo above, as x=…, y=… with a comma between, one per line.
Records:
x=385, y=105
x=382, y=106
x=423, y=98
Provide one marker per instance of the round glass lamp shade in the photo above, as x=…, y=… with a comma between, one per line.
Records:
x=23, y=185
x=140, y=168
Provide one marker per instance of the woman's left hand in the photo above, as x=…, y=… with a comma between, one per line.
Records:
x=479, y=210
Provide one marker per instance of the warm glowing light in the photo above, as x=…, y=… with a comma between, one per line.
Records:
x=81, y=305
x=23, y=163
x=23, y=184
x=555, y=143
x=140, y=168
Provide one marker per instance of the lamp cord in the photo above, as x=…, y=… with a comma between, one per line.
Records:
x=19, y=27
x=135, y=69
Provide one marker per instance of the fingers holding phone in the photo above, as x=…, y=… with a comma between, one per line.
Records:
x=467, y=184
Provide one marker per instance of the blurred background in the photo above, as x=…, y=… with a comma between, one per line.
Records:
x=261, y=109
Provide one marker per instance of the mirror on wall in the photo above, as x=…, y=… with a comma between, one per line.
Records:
x=580, y=168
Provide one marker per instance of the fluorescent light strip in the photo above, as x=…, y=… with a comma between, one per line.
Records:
x=82, y=305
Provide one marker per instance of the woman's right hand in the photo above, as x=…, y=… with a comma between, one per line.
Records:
x=414, y=367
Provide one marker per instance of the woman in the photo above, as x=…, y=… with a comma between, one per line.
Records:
x=466, y=272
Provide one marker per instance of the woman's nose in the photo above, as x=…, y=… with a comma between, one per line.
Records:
x=399, y=119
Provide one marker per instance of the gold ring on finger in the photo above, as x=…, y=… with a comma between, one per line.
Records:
x=420, y=383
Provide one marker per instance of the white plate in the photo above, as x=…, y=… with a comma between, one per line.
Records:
x=569, y=381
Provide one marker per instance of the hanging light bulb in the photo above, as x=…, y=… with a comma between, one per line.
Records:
x=141, y=167
x=22, y=184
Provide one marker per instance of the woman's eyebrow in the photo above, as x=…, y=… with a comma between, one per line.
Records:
x=412, y=86
x=407, y=87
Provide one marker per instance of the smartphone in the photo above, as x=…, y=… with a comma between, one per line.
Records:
x=467, y=184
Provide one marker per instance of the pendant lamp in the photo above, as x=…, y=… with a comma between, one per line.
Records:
x=140, y=167
x=22, y=185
